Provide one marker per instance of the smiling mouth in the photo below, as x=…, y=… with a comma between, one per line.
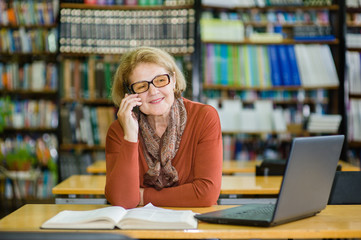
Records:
x=156, y=101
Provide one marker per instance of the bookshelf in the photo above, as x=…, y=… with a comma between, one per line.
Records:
x=28, y=101
x=353, y=80
x=238, y=54
x=92, y=38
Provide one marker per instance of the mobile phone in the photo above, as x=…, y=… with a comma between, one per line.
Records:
x=136, y=108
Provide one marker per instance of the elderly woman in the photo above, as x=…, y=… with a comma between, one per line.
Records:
x=162, y=149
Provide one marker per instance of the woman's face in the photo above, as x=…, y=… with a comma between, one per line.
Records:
x=155, y=101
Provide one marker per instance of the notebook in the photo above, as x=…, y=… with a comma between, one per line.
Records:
x=305, y=188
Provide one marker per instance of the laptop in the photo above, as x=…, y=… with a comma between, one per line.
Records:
x=305, y=188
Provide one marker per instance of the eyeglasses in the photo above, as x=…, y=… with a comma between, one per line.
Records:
x=158, y=82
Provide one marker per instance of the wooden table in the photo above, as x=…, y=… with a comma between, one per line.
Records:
x=93, y=187
x=249, y=184
x=336, y=221
x=229, y=167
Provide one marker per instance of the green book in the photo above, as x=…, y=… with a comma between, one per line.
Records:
x=108, y=79
x=230, y=62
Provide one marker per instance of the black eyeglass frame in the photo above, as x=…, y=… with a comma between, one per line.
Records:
x=150, y=82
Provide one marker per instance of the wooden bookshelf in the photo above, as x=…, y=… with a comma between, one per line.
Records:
x=28, y=39
x=354, y=99
x=315, y=96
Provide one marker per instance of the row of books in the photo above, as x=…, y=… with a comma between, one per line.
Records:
x=40, y=188
x=353, y=73
x=232, y=28
x=134, y=2
x=353, y=40
x=262, y=3
x=354, y=120
x=114, y=31
x=243, y=147
x=261, y=118
x=32, y=114
x=314, y=33
x=28, y=40
x=353, y=3
x=35, y=76
x=85, y=125
x=267, y=66
x=73, y=163
x=227, y=30
x=89, y=79
x=29, y=13
x=32, y=183
x=267, y=16
x=323, y=123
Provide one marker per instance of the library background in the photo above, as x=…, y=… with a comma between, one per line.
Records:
x=273, y=69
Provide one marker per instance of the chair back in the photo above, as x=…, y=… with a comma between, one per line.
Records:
x=346, y=188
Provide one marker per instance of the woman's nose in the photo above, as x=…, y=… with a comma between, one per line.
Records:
x=152, y=89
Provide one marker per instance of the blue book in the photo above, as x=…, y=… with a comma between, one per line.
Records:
x=284, y=65
x=254, y=66
x=275, y=69
x=224, y=64
x=295, y=74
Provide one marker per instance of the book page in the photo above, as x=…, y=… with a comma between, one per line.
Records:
x=150, y=217
x=103, y=218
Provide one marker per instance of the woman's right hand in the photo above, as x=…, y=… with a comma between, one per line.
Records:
x=127, y=118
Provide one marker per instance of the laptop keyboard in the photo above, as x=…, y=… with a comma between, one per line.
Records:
x=265, y=211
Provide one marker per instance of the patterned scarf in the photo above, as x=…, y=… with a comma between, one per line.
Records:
x=159, y=151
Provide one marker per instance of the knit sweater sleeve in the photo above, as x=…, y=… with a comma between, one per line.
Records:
x=122, y=169
x=204, y=141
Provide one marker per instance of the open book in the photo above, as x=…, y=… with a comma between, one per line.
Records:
x=147, y=217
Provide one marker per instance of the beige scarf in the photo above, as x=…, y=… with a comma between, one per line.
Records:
x=159, y=151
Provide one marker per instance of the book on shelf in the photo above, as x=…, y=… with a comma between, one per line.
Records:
x=353, y=3
x=31, y=12
x=35, y=76
x=266, y=66
x=325, y=123
x=35, y=40
x=32, y=114
x=114, y=31
x=275, y=67
x=314, y=33
x=354, y=120
x=147, y=217
x=353, y=40
x=222, y=30
x=85, y=125
x=89, y=79
x=353, y=72
x=234, y=117
x=284, y=64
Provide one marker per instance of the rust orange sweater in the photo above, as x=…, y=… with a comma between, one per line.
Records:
x=198, y=162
